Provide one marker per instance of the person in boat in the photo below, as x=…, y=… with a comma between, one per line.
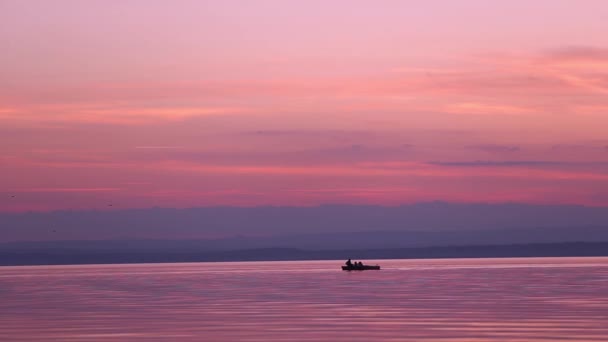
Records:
x=349, y=263
x=360, y=264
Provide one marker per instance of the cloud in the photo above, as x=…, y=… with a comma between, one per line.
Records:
x=113, y=114
x=316, y=136
x=486, y=108
x=599, y=111
x=569, y=147
x=157, y=147
x=582, y=67
x=498, y=86
x=478, y=163
x=577, y=148
x=523, y=163
x=283, y=155
x=68, y=190
x=495, y=148
x=7, y=112
x=577, y=53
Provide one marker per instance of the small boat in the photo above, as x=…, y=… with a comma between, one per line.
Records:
x=360, y=268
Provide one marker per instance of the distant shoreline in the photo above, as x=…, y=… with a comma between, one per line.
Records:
x=42, y=257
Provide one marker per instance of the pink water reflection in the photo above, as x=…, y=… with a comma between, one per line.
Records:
x=540, y=299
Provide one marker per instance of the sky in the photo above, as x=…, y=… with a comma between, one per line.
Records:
x=139, y=104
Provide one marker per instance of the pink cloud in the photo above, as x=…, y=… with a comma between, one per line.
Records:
x=256, y=141
x=577, y=53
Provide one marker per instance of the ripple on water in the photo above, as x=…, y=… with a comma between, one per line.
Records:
x=540, y=299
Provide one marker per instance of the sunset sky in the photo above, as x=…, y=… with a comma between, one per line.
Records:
x=297, y=103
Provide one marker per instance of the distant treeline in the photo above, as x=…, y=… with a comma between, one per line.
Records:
x=80, y=256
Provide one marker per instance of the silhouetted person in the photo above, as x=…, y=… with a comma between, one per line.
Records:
x=349, y=263
x=360, y=264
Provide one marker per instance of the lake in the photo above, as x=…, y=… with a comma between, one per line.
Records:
x=518, y=299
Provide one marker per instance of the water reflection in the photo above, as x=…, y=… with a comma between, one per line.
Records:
x=540, y=299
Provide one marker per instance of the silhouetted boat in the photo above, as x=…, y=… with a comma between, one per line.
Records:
x=360, y=268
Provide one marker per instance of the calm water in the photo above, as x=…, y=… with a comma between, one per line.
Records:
x=540, y=299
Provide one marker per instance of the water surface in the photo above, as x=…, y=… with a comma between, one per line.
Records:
x=520, y=299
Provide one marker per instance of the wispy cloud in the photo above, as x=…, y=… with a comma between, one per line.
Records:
x=578, y=53
x=532, y=116
x=520, y=163
x=159, y=147
x=479, y=163
x=493, y=86
x=107, y=114
x=68, y=190
x=495, y=148
x=487, y=109
x=7, y=112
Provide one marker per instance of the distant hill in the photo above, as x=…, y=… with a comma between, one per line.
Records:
x=434, y=229
x=331, y=240
x=59, y=256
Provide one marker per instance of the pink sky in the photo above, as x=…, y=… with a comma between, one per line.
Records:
x=197, y=103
